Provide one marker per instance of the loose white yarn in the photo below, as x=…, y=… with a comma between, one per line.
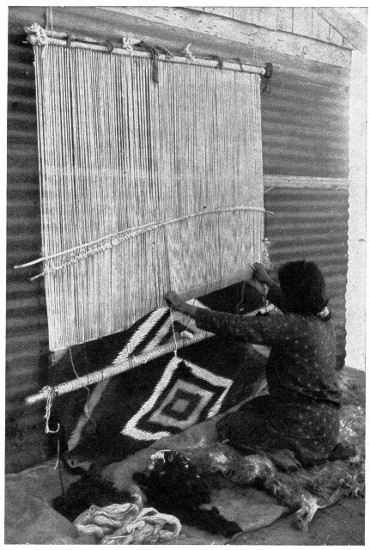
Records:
x=127, y=524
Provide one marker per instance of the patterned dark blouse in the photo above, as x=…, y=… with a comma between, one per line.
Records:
x=301, y=411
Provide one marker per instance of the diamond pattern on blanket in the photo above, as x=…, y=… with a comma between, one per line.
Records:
x=119, y=416
x=185, y=395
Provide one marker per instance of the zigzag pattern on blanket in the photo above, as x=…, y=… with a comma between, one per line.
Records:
x=120, y=416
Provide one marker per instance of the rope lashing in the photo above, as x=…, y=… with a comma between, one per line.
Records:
x=165, y=52
x=69, y=40
x=109, y=46
x=127, y=524
x=154, y=55
x=127, y=43
x=266, y=78
x=36, y=35
x=154, y=52
x=240, y=63
x=39, y=36
x=190, y=57
x=51, y=393
x=220, y=63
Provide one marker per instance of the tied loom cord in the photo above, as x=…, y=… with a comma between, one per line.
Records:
x=267, y=78
x=154, y=52
x=173, y=333
x=141, y=184
x=127, y=524
x=50, y=395
x=36, y=35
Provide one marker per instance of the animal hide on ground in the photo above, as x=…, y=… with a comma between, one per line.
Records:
x=117, y=417
x=90, y=489
x=173, y=484
x=180, y=483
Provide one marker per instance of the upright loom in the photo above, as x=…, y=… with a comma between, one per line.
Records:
x=150, y=180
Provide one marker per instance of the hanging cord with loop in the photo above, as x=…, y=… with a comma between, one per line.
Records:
x=266, y=78
x=154, y=55
x=173, y=332
x=240, y=63
x=51, y=394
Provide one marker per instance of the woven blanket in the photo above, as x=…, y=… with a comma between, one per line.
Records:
x=117, y=417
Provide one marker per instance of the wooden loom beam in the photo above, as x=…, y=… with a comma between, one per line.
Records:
x=122, y=366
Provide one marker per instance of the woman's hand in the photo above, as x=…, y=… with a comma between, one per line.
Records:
x=174, y=300
x=261, y=275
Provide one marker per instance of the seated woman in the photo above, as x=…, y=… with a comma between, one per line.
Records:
x=301, y=413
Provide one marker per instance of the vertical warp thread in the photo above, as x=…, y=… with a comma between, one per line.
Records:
x=117, y=151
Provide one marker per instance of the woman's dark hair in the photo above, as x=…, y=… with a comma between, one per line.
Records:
x=303, y=286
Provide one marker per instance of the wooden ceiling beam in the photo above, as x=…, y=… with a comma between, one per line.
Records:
x=347, y=25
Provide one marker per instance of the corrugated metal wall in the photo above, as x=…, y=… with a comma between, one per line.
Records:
x=26, y=327
x=312, y=224
x=305, y=126
x=305, y=119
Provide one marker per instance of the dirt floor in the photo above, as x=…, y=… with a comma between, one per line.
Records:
x=29, y=518
x=341, y=525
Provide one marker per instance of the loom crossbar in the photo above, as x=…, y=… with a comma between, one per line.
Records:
x=121, y=366
x=125, y=364
x=48, y=37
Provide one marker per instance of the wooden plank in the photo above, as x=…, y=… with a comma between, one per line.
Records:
x=248, y=15
x=269, y=17
x=321, y=28
x=285, y=19
x=224, y=12
x=347, y=25
x=266, y=17
x=187, y=20
x=302, y=21
x=175, y=28
x=301, y=182
x=307, y=21
x=335, y=37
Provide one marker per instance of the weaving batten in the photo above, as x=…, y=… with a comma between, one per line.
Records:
x=152, y=177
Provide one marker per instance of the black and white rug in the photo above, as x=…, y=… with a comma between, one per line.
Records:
x=117, y=417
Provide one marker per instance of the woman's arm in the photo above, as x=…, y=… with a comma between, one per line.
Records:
x=256, y=329
x=177, y=303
